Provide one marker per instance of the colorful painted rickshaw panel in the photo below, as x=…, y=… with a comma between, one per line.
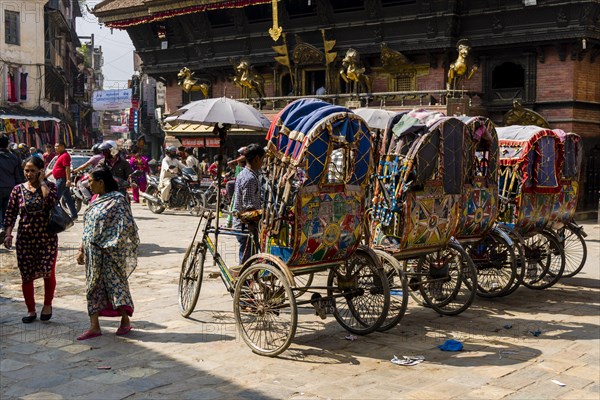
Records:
x=417, y=207
x=565, y=202
x=479, y=205
x=322, y=218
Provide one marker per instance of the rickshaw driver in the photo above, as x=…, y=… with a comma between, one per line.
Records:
x=247, y=205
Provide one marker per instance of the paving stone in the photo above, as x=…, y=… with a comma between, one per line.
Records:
x=145, y=384
x=47, y=380
x=7, y=365
x=78, y=389
x=15, y=391
x=42, y=396
x=203, y=393
x=108, y=378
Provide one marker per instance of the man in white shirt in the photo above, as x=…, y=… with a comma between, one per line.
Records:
x=191, y=161
x=170, y=167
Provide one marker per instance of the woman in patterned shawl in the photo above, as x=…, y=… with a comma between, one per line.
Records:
x=109, y=252
x=36, y=247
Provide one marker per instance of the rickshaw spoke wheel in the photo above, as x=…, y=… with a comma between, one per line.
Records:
x=265, y=309
x=545, y=261
x=496, y=265
x=305, y=281
x=575, y=250
x=366, y=300
x=448, y=280
x=190, y=278
x=398, y=290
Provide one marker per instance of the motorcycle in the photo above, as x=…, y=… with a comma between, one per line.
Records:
x=210, y=194
x=76, y=192
x=185, y=193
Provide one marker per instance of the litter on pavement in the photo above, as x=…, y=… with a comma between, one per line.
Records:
x=559, y=383
x=351, y=338
x=407, y=360
x=536, y=333
x=451, y=345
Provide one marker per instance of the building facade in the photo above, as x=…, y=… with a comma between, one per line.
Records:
x=540, y=55
x=40, y=101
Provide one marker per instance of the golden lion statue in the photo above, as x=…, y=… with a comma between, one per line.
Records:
x=458, y=69
x=185, y=79
x=245, y=77
x=353, y=71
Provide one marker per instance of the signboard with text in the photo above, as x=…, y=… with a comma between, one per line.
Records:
x=111, y=100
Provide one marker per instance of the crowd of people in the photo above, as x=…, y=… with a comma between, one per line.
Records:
x=109, y=243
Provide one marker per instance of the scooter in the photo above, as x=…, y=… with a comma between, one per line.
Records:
x=185, y=193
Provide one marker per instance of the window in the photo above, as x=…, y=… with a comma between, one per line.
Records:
x=403, y=83
x=507, y=76
x=11, y=27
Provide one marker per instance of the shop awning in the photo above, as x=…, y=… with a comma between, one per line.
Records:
x=192, y=130
x=23, y=113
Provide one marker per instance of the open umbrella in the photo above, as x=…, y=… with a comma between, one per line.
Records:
x=376, y=118
x=220, y=110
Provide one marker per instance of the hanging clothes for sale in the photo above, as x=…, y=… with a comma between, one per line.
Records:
x=23, y=86
x=12, y=89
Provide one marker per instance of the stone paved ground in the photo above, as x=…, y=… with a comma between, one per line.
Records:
x=203, y=357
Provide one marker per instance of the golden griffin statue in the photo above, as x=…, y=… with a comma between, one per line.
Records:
x=245, y=77
x=460, y=67
x=353, y=71
x=185, y=79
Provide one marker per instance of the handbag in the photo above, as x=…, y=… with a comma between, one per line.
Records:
x=59, y=220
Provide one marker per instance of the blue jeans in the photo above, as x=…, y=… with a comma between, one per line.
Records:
x=63, y=190
x=248, y=243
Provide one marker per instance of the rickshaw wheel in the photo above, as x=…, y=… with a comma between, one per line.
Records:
x=448, y=280
x=190, y=278
x=366, y=301
x=304, y=280
x=545, y=261
x=520, y=258
x=575, y=250
x=265, y=309
x=398, y=290
x=496, y=265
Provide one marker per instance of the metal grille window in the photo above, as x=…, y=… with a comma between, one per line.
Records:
x=11, y=27
x=403, y=83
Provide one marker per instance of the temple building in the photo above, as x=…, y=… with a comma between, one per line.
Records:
x=515, y=61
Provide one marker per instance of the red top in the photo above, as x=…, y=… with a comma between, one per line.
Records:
x=48, y=157
x=64, y=160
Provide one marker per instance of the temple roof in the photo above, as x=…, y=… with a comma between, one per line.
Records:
x=124, y=13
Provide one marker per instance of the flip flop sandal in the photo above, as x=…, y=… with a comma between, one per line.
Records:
x=88, y=335
x=124, y=330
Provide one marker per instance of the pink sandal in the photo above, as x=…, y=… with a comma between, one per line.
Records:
x=124, y=330
x=88, y=335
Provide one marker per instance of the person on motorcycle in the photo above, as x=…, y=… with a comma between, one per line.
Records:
x=170, y=167
x=83, y=184
x=118, y=166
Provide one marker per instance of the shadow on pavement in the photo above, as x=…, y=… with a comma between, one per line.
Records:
x=107, y=367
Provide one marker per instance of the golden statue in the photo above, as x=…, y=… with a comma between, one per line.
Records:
x=245, y=77
x=353, y=70
x=185, y=79
x=458, y=69
x=520, y=115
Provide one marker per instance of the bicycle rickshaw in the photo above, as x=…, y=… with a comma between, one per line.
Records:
x=311, y=222
x=416, y=210
x=571, y=235
x=490, y=248
x=531, y=161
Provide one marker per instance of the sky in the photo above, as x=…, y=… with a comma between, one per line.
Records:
x=116, y=46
